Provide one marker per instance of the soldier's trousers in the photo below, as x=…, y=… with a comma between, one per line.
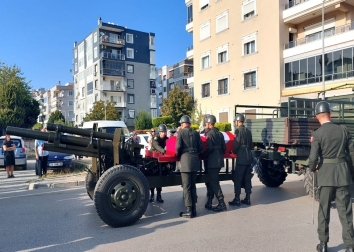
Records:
x=158, y=190
x=243, y=172
x=344, y=208
x=189, y=188
x=213, y=187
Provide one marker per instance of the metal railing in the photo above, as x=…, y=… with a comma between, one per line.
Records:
x=189, y=20
x=109, y=55
x=190, y=75
x=115, y=72
x=336, y=31
x=189, y=48
x=112, y=40
x=293, y=3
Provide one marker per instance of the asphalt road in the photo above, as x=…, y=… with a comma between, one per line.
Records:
x=280, y=219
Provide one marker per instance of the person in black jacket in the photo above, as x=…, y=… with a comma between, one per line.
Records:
x=243, y=171
x=9, y=161
x=214, y=152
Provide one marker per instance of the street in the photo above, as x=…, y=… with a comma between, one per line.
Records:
x=279, y=219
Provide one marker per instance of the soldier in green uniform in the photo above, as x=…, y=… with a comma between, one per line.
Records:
x=159, y=144
x=188, y=147
x=243, y=171
x=214, y=152
x=330, y=144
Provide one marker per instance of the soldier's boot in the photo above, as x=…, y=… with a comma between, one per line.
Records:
x=247, y=199
x=235, y=201
x=220, y=207
x=349, y=249
x=194, y=210
x=151, y=195
x=209, y=203
x=159, y=198
x=322, y=247
x=187, y=214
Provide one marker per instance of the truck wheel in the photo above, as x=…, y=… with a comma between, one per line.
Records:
x=121, y=195
x=90, y=183
x=308, y=183
x=269, y=175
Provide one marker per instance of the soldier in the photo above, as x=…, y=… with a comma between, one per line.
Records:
x=158, y=144
x=216, y=147
x=188, y=147
x=243, y=170
x=332, y=143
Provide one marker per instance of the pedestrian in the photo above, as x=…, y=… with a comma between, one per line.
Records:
x=214, y=154
x=41, y=156
x=151, y=136
x=134, y=138
x=243, y=171
x=9, y=155
x=332, y=144
x=188, y=147
x=159, y=144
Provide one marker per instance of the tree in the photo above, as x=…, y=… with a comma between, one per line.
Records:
x=177, y=104
x=197, y=115
x=102, y=111
x=142, y=120
x=17, y=107
x=56, y=116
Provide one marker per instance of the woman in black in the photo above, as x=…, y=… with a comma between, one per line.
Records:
x=9, y=149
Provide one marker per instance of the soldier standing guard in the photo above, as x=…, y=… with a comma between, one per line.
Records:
x=332, y=143
x=159, y=144
x=216, y=147
x=188, y=147
x=243, y=171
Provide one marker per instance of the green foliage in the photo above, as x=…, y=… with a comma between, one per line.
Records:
x=56, y=116
x=223, y=126
x=17, y=107
x=197, y=115
x=37, y=126
x=177, y=104
x=142, y=120
x=195, y=126
x=168, y=120
x=102, y=111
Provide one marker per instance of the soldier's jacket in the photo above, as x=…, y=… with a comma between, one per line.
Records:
x=159, y=144
x=243, y=145
x=325, y=145
x=216, y=147
x=188, y=147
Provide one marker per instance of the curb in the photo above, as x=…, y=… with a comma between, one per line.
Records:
x=36, y=185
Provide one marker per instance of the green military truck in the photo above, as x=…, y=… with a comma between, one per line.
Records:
x=282, y=136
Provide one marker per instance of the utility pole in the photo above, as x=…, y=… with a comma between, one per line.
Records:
x=323, y=55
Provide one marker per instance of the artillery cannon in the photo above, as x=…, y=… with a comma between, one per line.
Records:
x=120, y=178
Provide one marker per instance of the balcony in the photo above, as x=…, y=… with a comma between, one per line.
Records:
x=115, y=56
x=338, y=35
x=112, y=41
x=190, y=78
x=121, y=105
x=190, y=52
x=299, y=11
x=113, y=72
x=189, y=25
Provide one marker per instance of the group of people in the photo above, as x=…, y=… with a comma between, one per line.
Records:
x=189, y=147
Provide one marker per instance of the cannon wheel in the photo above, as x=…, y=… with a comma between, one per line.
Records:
x=121, y=195
x=269, y=176
x=90, y=184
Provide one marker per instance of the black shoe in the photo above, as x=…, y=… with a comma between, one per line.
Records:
x=8, y=176
x=322, y=247
x=246, y=200
x=209, y=204
x=220, y=207
x=187, y=214
x=159, y=199
x=151, y=198
x=349, y=249
x=235, y=201
x=12, y=176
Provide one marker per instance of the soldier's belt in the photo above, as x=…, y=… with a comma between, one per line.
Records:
x=333, y=160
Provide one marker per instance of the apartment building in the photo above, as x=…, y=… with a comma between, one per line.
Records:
x=114, y=63
x=262, y=52
x=59, y=97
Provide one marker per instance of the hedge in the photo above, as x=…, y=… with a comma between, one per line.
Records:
x=195, y=126
x=162, y=120
x=223, y=126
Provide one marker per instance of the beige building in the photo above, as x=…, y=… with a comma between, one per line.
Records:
x=257, y=52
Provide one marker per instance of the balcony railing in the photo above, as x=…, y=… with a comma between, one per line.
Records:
x=114, y=72
x=189, y=20
x=116, y=56
x=329, y=33
x=189, y=48
x=190, y=75
x=293, y=3
x=112, y=40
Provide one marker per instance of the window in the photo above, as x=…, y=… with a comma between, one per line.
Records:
x=152, y=40
x=249, y=44
x=71, y=114
x=205, y=30
x=95, y=37
x=205, y=60
x=95, y=52
x=130, y=98
x=130, y=68
x=222, y=53
x=223, y=86
x=130, y=53
x=130, y=83
x=203, y=4
x=189, y=13
x=222, y=22
x=153, y=113
x=75, y=53
x=71, y=93
x=131, y=113
x=83, y=92
x=75, y=67
x=71, y=103
x=90, y=88
x=130, y=38
x=96, y=82
x=248, y=9
x=250, y=79
x=205, y=90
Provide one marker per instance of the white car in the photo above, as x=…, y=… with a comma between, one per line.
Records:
x=20, y=152
x=143, y=139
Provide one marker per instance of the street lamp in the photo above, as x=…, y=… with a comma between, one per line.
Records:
x=323, y=52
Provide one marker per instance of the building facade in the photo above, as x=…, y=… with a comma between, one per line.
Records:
x=262, y=52
x=114, y=63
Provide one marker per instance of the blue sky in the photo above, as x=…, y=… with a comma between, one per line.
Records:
x=38, y=35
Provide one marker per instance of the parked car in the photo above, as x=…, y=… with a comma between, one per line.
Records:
x=20, y=152
x=143, y=139
x=57, y=160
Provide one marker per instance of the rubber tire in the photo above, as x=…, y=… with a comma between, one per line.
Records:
x=90, y=184
x=308, y=183
x=24, y=167
x=264, y=176
x=112, y=177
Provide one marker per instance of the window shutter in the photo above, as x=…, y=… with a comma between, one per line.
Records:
x=249, y=7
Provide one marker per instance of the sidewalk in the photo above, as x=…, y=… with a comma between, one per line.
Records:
x=54, y=181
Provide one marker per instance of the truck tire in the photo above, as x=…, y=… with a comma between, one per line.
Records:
x=121, y=196
x=308, y=183
x=268, y=175
x=90, y=183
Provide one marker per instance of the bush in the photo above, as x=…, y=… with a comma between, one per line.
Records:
x=223, y=126
x=142, y=120
x=194, y=126
x=161, y=120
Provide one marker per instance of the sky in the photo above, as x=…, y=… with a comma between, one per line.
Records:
x=38, y=35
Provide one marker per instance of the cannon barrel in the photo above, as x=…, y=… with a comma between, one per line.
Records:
x=77, y=131
x=63, y=139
